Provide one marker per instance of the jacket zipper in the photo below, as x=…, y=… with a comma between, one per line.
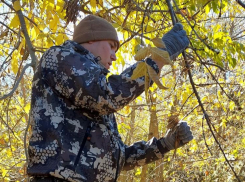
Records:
x=82, y=145
x=118, y=163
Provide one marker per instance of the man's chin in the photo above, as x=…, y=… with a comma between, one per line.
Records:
x=108, y=67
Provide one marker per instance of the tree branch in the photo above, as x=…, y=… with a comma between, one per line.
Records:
x=30, y=49
x=201, y=105
x=28, y=41
x=17, y=82
x=208, y=46
x=240, y=3
x=8, y=27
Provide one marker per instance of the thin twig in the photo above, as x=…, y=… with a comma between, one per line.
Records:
x=190, y=111
x=8, y=27
x=203, y=134
x=17, y=82
x=186, y=101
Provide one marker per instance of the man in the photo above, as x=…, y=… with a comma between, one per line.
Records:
x=74, y=131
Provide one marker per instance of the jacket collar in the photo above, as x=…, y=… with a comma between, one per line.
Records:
x=78, y=48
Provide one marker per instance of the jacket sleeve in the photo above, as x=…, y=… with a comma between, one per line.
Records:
x=80, y=79
x=141, y=153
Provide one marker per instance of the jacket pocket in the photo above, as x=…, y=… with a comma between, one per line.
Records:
x=87, y=134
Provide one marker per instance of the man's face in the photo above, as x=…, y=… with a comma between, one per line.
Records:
x=106, y=50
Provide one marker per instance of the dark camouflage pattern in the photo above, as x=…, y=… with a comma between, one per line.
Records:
x=74, y=131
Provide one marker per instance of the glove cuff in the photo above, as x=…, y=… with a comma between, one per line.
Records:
x=153, y=64
x=162, y=146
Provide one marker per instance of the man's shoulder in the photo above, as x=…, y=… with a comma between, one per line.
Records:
x=68, y=48
x=65, y=47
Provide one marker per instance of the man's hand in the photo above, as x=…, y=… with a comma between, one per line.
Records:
x=181, y=134
x=175, y=41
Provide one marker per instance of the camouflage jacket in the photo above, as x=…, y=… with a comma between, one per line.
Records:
x=74, y=131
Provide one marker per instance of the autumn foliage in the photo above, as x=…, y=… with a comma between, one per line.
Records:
x=214, y=68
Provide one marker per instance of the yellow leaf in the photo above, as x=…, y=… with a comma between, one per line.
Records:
x=21, y=46
x=193, y=145
x=136, y=48
x=14, y=62
x=232, y=105
x=43, y=6
x=93, y=5
x=33, y=34
x=17, y=6
x=42, y=26
x=27, y=108
x=153, y=75
x=4, y=172
x=149, y=28
x=2, y=141
x=158, y=43
x=15, y=22
x=9, y=153
x=138, y=172
x=142, y=54
x=50, y=43
x=50, y=6
x=53, y=24
x=139, y=71
x=101, y=2
x=59, y=39
x=160, y=55
x=243, y=141
x=60, y=5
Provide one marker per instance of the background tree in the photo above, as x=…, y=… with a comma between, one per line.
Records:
x=216, y=66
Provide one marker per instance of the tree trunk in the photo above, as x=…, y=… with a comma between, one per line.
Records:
x=144, y=173
x=153, y=132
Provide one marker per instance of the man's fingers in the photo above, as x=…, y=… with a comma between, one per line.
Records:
x=183, y=127
x=182, y=33
x=184, y=132
x=186, y=138
x=177, y=27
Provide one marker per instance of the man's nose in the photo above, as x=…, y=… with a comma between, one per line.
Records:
x=113, y=56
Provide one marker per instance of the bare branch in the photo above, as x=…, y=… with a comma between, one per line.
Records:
x=30, y=49
x=8, y=27
x=17, y=82
x=240, y=3
x=28, y=41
